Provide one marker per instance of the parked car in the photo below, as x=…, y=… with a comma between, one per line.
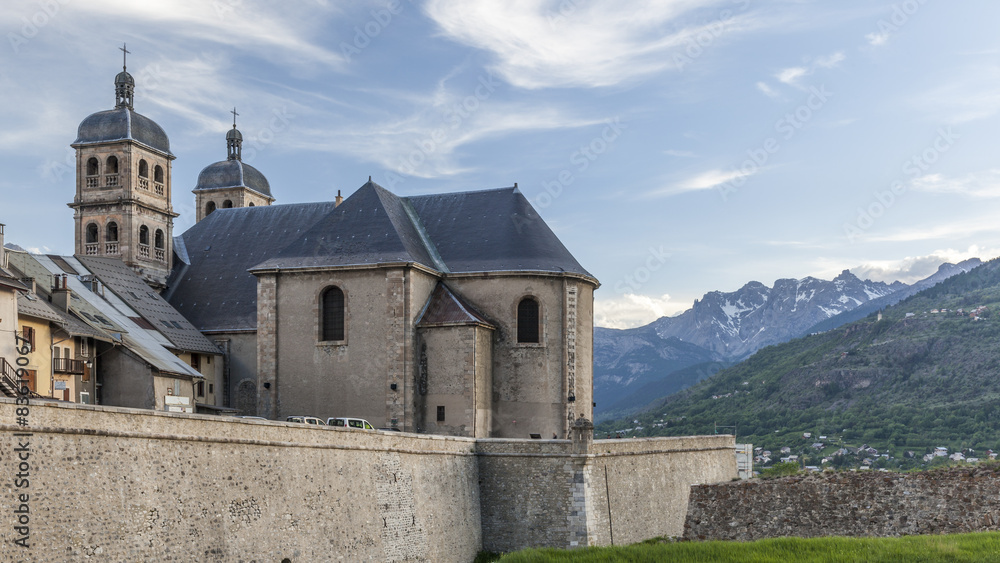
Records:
x=306, y=420
x=356, y=423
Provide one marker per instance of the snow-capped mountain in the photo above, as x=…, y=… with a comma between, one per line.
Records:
x=737, y=324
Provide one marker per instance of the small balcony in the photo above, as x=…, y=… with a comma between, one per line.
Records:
x=111, y=248
x=91, y=249
x=111, y=180
x=144, y=251
x=93, y=181
x=144, y=183
x=159, y=188
x=67, y=365
x=160, y=254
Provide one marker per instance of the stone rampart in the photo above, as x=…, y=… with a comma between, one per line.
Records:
x=117, y=484
x=847, y=504
x=552, y=493
x=134, y=485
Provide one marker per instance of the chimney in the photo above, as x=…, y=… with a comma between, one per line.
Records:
x=30, y=282
x=61, y=293
x=337, y=203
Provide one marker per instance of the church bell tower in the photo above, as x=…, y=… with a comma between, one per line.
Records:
x=122, y=208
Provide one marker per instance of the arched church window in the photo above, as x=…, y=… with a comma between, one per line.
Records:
x=144, y=235
x=143, y=169
x=528, y=321
x=112, y=165
x=158, y=174
x=93, y=166
x=228, y=204
x=332, y=309
x=158, y=239
x=209, y=208
x=112, y=233
x=92, y=233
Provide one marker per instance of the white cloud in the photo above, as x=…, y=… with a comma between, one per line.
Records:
x=541, y=44
x=632, y=310
x=792, y=76
x=704, y=181
x=830, y=61
x=980, y=185
x=915, y=268
x=877, y=39
x=768, y=91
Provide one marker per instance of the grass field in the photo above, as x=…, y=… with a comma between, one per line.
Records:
x=979, y=547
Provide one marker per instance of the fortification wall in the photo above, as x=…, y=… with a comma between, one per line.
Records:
x=137, y=485
x=123, y=484
x=555, y=493
x=847, y=504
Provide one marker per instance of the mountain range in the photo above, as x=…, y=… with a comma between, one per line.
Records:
x=635, y=366
x=919, y=374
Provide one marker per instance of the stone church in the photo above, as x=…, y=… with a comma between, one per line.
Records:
x=453, y=313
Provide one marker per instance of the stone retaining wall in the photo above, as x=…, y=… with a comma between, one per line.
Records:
x=116, y=484
x=847, y=504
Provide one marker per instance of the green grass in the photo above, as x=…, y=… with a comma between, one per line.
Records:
x=984, y=547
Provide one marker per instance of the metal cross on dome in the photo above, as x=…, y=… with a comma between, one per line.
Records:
x=234, y=116
x=125, y=53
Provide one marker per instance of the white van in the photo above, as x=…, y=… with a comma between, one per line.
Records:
x=355, y=423
x=306, y=420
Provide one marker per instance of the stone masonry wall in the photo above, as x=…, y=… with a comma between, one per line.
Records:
x=120, y=484
x=117, y=484
x=847, y=504
x=554, y=493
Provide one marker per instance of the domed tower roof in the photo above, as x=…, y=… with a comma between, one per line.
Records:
x=233, y=174
x=122, y=123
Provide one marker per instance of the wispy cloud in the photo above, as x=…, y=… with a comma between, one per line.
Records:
x=768, y=91
x=915, y=268
x=793, y=75
x=981, y=185
x=633, y=310
x=540, y=44
x=704, y=181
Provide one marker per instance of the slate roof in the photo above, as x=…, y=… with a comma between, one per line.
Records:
x=8, y=280
x=233, y=174
x=107, y=311
x=482, y=231
x=122, y=124
x=129, y=287
x=445, y=308
x=210, y=283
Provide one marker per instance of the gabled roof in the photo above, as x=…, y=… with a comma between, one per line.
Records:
x=128, y=286
x=372, y=226
x=114, y=315
x=8, y=280
x=445, y=308
x=491, y=231
x=482, y=231
x=210, y=284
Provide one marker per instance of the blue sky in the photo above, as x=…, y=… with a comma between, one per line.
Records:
x=675, y=146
